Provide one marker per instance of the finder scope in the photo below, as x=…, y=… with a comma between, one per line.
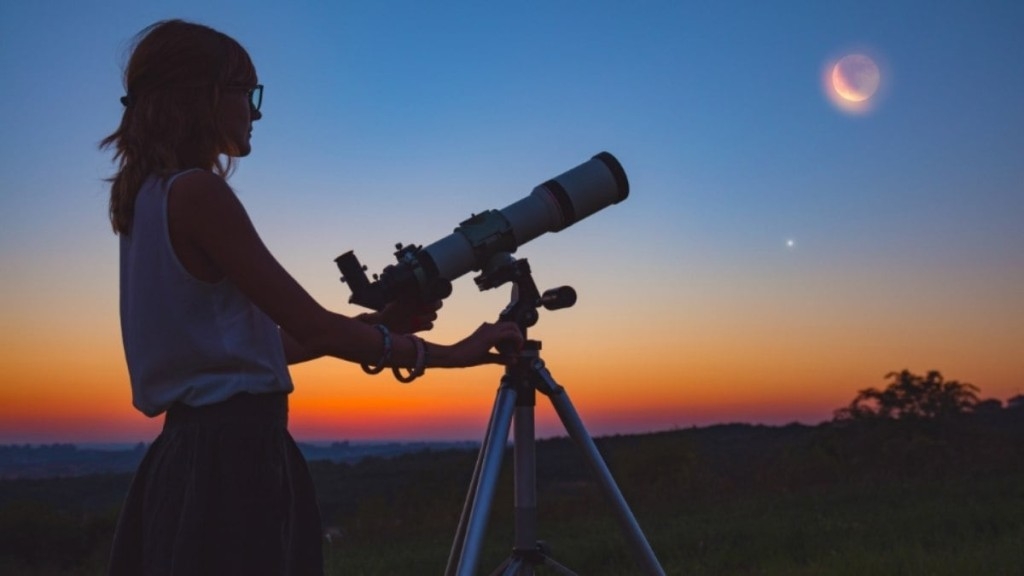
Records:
x=550, y=207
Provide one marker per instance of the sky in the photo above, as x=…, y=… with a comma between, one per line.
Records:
x=778, y=250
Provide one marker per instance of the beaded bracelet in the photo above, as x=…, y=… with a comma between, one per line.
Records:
x=385, y=356
x=420, y=366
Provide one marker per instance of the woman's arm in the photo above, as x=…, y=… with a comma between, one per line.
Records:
x=294, y=353
x=205, y=214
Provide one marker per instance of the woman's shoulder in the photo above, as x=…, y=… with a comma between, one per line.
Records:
x=197, y=178
x=203, y=198
x=200, y=187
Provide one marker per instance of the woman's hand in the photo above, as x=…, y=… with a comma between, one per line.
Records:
x=476, y=348
x=409, y=314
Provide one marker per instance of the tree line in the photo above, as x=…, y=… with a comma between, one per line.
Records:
x=911, y=396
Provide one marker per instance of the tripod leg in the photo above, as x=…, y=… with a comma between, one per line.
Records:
x=574, y=426
x=467, y=507
x=564, y=571
x=509, y=567
x=525, y=472
x=486, y=482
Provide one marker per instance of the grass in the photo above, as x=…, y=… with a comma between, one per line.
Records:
x=744, y=500
x=733, y=500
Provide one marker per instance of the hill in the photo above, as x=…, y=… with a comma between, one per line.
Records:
x=52, y=460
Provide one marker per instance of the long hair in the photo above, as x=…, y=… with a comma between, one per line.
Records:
x=173, y=83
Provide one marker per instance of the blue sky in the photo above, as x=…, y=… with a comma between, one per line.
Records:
x=391, y=122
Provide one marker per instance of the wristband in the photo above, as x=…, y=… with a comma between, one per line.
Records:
x=421, y=363
x=385, y=356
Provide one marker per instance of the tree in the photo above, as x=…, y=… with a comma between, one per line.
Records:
x=910, y=396
x=1016, y=403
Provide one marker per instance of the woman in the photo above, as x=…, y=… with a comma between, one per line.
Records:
x=210, y=321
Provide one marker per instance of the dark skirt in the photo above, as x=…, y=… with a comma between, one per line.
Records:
x=222, y=490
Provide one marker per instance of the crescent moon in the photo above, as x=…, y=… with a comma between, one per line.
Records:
x=855, y=78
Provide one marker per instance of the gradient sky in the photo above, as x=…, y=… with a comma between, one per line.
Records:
x=775, y=255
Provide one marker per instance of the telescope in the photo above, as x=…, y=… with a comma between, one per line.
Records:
x=485, y=238
x=486, y=242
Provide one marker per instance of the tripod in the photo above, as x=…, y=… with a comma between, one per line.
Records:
x=516, y=399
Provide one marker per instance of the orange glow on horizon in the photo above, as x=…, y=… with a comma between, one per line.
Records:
x=796, y=360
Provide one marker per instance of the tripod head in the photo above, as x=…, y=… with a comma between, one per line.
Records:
x=526, y=298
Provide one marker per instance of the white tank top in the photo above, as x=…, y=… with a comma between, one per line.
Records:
x=187, y=340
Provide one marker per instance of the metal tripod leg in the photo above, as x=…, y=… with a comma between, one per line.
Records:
x=527, y=553
x=574, y=426
x=465, y=552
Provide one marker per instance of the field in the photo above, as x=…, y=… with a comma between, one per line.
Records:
x=882, y=497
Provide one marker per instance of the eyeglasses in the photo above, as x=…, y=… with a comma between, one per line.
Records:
x=255, y=94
